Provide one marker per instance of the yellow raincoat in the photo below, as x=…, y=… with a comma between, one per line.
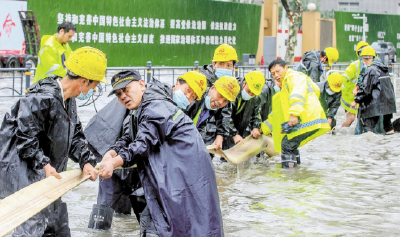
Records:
x=298, y=97
x=349, y=83
x=51, y=58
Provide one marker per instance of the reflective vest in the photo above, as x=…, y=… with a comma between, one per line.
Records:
x=298, y=97
x=52, y=56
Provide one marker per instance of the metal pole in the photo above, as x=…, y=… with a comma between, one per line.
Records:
x=148, y=71
x=364, y=21
x=27, y=76
x=236, y=72
x=196, y=66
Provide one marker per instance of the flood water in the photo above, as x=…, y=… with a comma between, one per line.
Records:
x=347, y=185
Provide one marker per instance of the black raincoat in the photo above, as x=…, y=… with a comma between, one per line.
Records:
x=218, y=123
x=208, y=71
x=39, y=130
x=103, y=130
x=376, y=96
x=245, y=116
x=174, y=167
x=310, y=65
x=330, y=103
x=266, y=98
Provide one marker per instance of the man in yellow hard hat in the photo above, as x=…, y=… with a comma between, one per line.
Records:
x=172, y=161
x=43, y=130
x=246, y=108
x=376, y=94
x=188, y=88
x=311, y=63
x=330, y=93
x=223, y=64
x=209, y=114
x=54, y=51
x=124, y=190
x=352, y=77
x=297, y=116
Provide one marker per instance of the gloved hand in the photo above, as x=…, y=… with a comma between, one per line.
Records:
x=288, y=129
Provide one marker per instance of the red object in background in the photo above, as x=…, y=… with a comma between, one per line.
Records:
x=8, y=24
x=262, y=60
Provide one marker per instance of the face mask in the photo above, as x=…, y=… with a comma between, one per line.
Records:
x=81, y=96
x=220, y=72
x=180, y=99
x=329, y=91
x=246, y=95
x=208, y=103
x=276, y=88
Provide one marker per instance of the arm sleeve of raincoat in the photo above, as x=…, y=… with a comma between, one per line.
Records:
x=350, y=72
x=366, y=89
x=79, y=151
x=297, y=97
x=334, y=108
x=255, y=120
x=50, y=63
x=266, y=126
x=124, y=140
x=148, y=136
x=31, y=121
x=224, y=122
x=314, y=72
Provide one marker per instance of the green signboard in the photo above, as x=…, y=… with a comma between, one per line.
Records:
x=165, y=32
x=349, y=31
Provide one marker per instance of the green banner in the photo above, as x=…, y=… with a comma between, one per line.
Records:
x=349, y=31
x=165, y=32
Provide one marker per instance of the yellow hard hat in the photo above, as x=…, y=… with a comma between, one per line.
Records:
x=225, y=53
x=255, y=80
x=368, y=52
x=89, y=63
x=335, y=81
x=332, y=54
x=361, y=45
x=196, y=81
x=228, y=87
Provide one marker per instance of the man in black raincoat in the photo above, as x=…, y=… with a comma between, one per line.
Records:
x=174, y=166
x=212, y=114
x=42, y=131
x=330, y=94
x=376, y=95
x=124, y=191
x=311, y=63
x=246, y=108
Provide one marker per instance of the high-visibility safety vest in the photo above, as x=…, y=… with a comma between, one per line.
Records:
x=298, y=97
x=52, y=56
x=349, y=83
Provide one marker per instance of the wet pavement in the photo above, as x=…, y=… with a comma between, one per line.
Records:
x=347, y=185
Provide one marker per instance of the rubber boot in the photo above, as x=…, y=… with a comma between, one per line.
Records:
x=288, y=161
x=297, y=152
x=101, y=217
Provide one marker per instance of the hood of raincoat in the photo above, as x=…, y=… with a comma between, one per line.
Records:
x=208, y=71
x=39, y=130
x=180, y=188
